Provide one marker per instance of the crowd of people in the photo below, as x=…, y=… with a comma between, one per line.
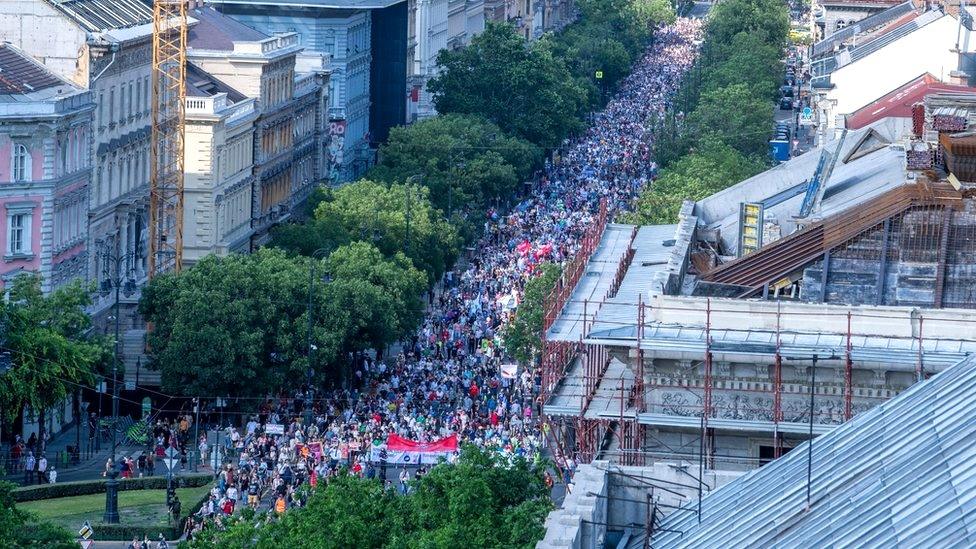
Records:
x=449, y=378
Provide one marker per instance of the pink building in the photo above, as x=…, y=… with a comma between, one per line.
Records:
x=45, y=168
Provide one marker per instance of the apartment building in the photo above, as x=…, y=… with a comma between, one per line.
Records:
x=45, y=130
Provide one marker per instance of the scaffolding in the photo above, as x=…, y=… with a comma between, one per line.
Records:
x=168, y=129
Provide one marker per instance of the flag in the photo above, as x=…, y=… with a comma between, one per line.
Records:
x=404, y=451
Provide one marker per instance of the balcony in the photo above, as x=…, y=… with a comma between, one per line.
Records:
x=217, y=106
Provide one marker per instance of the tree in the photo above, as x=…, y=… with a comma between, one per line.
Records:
x=736, y=117
x=22, y=529
x=767, y=19
x=397, y=284
x=466, y=160
x=747, y=60
x=481, y=501
x=230, y=325
x=520, y=87
x=523, y=336
x=51, y=355
x=373, y=211
x=695, y=176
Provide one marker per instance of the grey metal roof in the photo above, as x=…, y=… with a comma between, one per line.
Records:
x=593, y=285
x=828, y=44
x=216, y=31
x=857, y=181
x=101, y=15
x=325, y=4
x=900, y=475
x=823, y=68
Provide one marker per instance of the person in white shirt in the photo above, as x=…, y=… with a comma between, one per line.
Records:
x=52, y=475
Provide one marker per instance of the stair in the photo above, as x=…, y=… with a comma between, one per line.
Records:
x=136, y=360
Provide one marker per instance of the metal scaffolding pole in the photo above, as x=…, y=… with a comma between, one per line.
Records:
x=848, y=375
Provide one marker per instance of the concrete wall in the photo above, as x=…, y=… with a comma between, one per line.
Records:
x=737, y=314
x=928, y=49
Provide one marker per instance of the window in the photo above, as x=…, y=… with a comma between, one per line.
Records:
x=132, y=100
x=18, y=233
x=111, y=104
x=21, y=163
x=145, y=92
x=101, y=108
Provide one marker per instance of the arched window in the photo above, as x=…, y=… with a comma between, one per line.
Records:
x=21, y=165
x=841, y=24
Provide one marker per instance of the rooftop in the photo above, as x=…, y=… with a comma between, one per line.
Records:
x=897, y=475
x=200, y=83
x=859, y=28
x=898, y=103
x=103, y=15
x=215, y=31
x=23, y=80
x=330, y=4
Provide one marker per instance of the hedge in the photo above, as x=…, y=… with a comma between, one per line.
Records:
x=88, y=487
x=125, y=532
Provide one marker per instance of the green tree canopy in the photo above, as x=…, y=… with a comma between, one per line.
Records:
x=373, y=211
x=518, y=86
x=768, y=20
x=466, y=160
x=735, y=116
x=523, y=336
x=51, y=354
x=714, y=167
x=238, y=325
x=482, y=501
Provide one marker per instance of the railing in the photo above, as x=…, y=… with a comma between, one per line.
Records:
x=573, y=269
x=304, y=84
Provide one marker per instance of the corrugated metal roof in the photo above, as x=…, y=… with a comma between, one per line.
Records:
x=829, y=43
x=900, y=475
x=102, y=15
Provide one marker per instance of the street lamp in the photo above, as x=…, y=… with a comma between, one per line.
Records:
x=319, y=253
x=112, y=280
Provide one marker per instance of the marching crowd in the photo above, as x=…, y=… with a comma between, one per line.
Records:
x=449, y=378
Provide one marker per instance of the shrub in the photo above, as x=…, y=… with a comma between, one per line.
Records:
x=88, y=487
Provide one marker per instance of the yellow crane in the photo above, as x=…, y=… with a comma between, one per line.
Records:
x=168, y=129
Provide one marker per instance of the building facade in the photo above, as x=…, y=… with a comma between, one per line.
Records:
x=290, y=138
x=219, y=168
x=344, y=35
x=45, y=170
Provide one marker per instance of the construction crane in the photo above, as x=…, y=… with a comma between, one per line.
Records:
x=168, y=127
x=818, y=184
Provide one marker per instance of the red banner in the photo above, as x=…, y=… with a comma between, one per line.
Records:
x=396, y=443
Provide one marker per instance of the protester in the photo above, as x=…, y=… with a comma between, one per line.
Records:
x=448, y=379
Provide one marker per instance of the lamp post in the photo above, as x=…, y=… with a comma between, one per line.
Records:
x=6, y=362
x=112, y=280
x=316, y=255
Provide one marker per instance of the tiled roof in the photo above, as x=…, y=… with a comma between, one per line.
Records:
x=216, y=31
x=899, y=475
x=19, y=74
x=102, y=15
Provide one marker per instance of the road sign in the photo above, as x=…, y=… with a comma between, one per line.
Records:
x=172, y=453
x=807, y=112
x=86, y=530
x=599, y=75
x=86, y=543
x=170, y=463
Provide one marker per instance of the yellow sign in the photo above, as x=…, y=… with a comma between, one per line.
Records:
x=599, y=75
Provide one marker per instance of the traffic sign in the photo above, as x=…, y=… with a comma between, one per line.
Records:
x=807, y=112
x=172, y=453
x=599, y=75
x=86, y=530
x=86, y=543
x=170, y=463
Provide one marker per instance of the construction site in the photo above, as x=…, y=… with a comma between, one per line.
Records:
x=771, y=313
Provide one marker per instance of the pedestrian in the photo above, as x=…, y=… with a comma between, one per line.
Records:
x=52, y=475
x=29, y=464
